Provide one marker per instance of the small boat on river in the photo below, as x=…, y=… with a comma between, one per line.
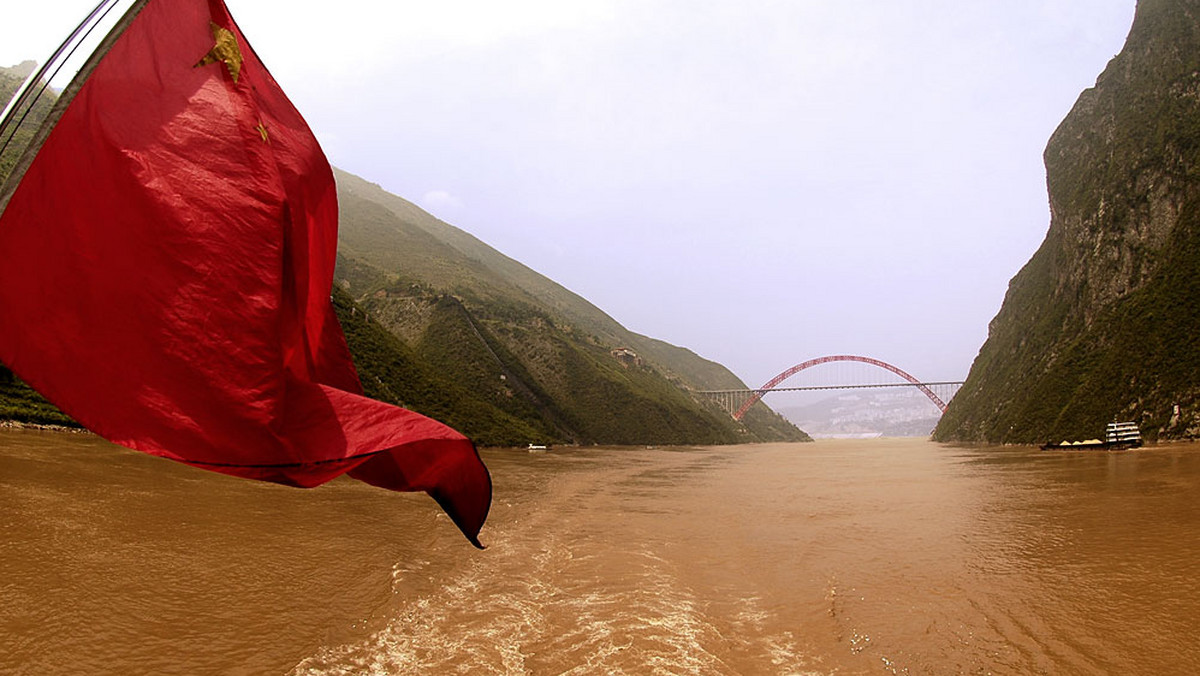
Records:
x=1117, y=436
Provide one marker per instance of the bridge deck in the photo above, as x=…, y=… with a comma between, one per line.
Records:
x=827, y=387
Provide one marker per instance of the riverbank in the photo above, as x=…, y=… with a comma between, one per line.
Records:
x=41, y=427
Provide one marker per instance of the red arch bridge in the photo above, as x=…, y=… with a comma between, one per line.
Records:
x=737, y=402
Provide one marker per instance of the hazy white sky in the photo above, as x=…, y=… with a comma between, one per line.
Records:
x=762, y=181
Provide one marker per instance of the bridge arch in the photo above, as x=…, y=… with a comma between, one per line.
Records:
x=758, y=394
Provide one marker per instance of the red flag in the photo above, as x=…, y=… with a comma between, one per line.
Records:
x=167, y=260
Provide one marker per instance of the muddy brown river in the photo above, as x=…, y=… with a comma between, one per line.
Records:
x=838, y=557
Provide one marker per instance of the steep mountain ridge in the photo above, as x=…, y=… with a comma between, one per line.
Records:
x=511, y=275
x=1101, y=322
x=525, y=342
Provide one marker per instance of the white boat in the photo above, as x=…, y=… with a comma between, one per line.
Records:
x=1122, y=435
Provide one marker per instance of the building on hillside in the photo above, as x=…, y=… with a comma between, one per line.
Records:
x=626, y=356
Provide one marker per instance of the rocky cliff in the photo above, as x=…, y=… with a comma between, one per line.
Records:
x=1102, y=323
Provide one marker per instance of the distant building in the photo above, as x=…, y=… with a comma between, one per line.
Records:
x=626, y=356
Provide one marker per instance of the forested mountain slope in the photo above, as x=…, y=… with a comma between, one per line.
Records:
x=523, y=342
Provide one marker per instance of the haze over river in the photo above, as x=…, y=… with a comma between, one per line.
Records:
x=863, y=556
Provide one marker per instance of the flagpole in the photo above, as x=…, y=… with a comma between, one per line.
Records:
x=56, y=61
x=26, y=97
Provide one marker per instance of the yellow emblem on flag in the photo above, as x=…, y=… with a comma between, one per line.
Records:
x=225, y=50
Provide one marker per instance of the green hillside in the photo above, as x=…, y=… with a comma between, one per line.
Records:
x=491, y=274
x=1101, y=324
x=526, y=343
x=391, y=371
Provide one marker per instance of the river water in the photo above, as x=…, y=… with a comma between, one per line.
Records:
x=837, y=557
